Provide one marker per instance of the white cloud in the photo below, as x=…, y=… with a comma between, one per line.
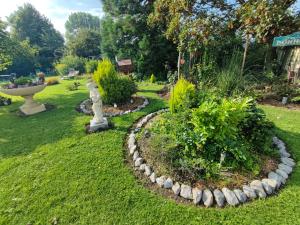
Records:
x=57, y=13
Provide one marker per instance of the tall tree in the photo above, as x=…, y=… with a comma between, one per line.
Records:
x=85, y=44
x=125, y=34
x=5, y=46
x=81, y=20
x=28, y=24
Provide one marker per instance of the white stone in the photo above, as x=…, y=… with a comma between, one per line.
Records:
x=230, y=197
x=160, y=181
x=268, y=189
x=148, y=170
x=132, y=149
x=272, y=183
x=207, y=198
x=197, y=195
x=288, y=161
x=249, y=192
x=219, y=197
x=168, y=184
x=176, y=188
x=285, y=168
x=282, y=173
x=186, y=192
x=138, y=162
x=242, y=197
x=258, y=187
x=153, y=177
x=280, y=180
x=136, y=155
x=142, y=167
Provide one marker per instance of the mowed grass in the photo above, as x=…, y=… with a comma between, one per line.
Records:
x=51, y=171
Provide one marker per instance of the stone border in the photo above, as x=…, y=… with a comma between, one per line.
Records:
x=256, y=188
x=83, y=109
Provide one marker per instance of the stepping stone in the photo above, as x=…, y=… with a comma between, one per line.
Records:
x=186, y=192
x=249, y=192
x=230, y=197
x=258, y=187
x=207, y=198
x=242, y=197
x=168, y=184
x=176, y=188
x=219, y=197
x=197, y=195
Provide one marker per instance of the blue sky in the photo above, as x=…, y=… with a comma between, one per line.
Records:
x=59, y=10
x=56, y=10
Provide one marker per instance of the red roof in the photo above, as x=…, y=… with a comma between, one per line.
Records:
x=125, y=62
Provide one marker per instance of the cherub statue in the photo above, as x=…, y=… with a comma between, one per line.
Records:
x=97, y=104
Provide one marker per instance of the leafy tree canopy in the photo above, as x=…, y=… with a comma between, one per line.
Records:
x=28, y=24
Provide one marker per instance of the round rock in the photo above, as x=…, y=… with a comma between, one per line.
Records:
x=153, y=177
x=160, y=181
x=258, y=187
x=176, y=188
x=197, y=194
x=249, y=192
x=230, y=197
x=242, y=197
x=219, y=197
x=168, y=184
x=186, y=192
x=207, y=198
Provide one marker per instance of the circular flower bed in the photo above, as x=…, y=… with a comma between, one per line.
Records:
x=257, y=188
x=137, y=103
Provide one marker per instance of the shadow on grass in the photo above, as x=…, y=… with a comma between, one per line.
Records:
x=22, y=135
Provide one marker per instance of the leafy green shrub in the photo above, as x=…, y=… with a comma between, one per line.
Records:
x=182, y=95
x=74, y=86
x=91, y=66
x=23, y=81
x=52, y=81
x=296, y=100
x=113, y=88
x=232, y=127
x=283, y=90
x=152, y=79
x=62, y=69
x=71, y=62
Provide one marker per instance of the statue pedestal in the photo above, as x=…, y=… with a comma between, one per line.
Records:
x=96, y=126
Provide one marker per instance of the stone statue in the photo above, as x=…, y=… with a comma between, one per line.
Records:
x=98, y=122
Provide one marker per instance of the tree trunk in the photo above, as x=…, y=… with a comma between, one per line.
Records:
x=178, y=64
x=245, y=53
x=268, y=59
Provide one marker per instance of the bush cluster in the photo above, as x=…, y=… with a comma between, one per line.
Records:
x=52, y=81
x=113, y=87
x=70, y=62
x=208, y=127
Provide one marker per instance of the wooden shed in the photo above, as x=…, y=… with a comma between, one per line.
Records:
x=125, y=66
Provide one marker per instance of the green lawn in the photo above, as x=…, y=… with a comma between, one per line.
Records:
x=51, y=170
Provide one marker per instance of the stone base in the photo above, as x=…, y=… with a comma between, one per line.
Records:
x=33, y=109
x=98, y=126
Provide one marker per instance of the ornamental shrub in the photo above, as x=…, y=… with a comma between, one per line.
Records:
x=152, y=79
x=113, y=88
x=91, y=66
x=70, y=62
x=232, y=127
x=182, y=95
